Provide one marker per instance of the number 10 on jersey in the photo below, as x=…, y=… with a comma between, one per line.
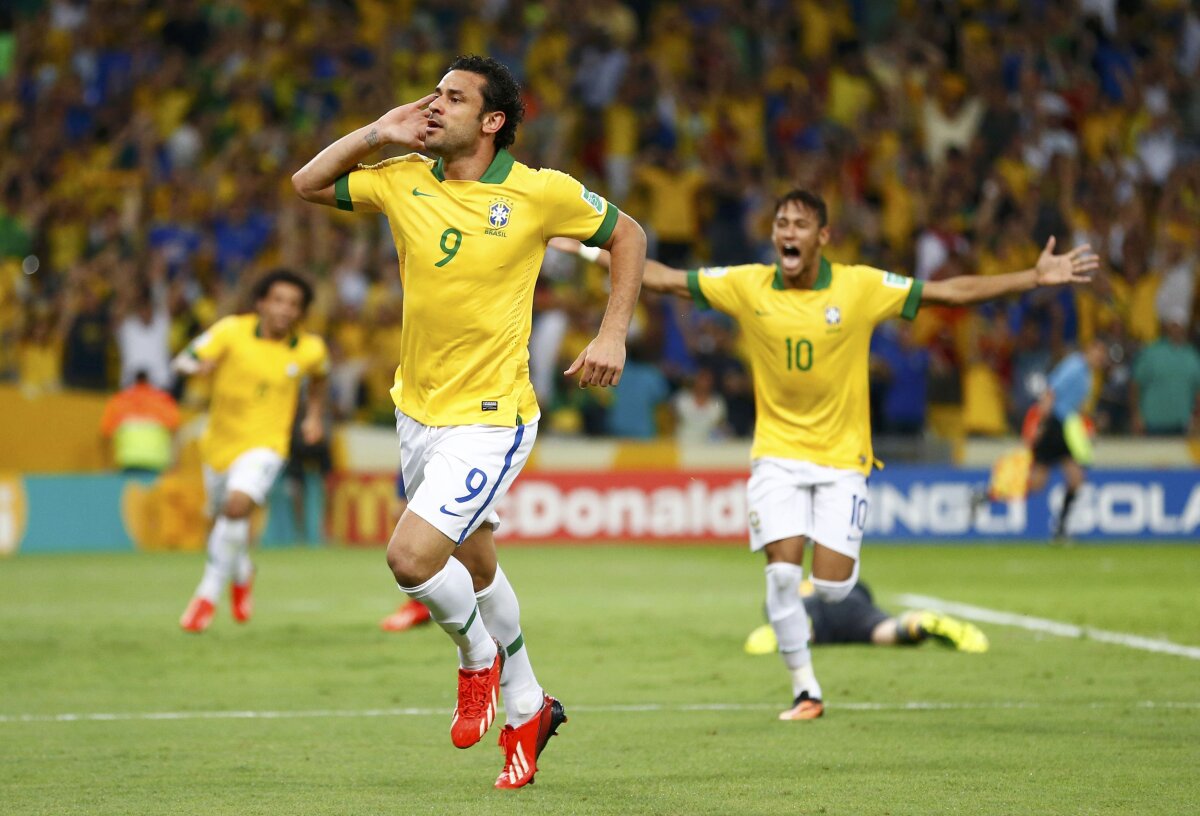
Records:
x=799, y=354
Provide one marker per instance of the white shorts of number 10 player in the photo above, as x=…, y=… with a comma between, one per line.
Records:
x=455, y=476
x=787, y=497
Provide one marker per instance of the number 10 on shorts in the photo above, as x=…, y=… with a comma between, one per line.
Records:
x=858, y=512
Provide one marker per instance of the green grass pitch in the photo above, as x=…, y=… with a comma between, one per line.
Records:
x=643, y=645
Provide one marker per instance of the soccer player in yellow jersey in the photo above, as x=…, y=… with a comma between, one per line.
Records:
x=258, y=362
x=472, y=224
x=808, y=325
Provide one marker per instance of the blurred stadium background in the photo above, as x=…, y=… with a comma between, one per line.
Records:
x=144, y=182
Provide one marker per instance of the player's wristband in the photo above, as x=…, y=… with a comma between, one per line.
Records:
x=589, y=253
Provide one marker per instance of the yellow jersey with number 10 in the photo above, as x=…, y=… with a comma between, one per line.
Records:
x=809, y=349
x=255, y=387
x=470, y=255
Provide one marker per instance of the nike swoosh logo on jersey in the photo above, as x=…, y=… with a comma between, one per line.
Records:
x=448, y=513
x=417, y=192
x=761, y=313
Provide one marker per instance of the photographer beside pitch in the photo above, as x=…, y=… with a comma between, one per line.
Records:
x=472, y=228
x=808, y=325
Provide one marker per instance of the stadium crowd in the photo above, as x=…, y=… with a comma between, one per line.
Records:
x=144, y=182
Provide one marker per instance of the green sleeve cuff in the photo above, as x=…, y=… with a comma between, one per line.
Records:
x=607, y=226
x=341, y=192
x=913, y=302
x=693, y=278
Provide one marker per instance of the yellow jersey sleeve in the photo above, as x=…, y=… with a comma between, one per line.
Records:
x=213, y=343
x=719, y=287
x=573, y=211
x=316, y=356
x=367, y=187
x=884, y=295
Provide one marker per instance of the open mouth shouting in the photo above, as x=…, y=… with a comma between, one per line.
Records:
x=790, y=257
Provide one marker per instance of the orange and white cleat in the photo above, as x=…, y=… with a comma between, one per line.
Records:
x=198, y=615
x=478, y=696
x=804, y=708
x=241, y=600
x=524, y=744
x=410, y=614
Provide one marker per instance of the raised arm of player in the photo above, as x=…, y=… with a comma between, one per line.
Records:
x=1051, y=270
x=188, y=364
x=657, y=278
x=602, y=362
x=404, y=126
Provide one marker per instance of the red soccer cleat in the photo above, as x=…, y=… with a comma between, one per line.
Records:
x=804, y=708
x=478, y=694
x=242, y=600
x=410, y=614
x=198, y=615
x=524, y=744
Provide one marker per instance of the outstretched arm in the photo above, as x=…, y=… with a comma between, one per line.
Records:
x=657, y=277
x=403, y=126
x=1051, y=270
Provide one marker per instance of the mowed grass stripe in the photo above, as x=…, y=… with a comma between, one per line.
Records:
x=914, y=705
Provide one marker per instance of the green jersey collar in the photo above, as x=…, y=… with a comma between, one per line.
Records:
x=824, y=276
x=496, y=173
x=292, y=339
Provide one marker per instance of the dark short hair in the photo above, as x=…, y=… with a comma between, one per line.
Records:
x=501, y=92
x=263, y=285
x=809, y=199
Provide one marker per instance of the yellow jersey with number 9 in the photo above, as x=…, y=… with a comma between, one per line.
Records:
x=470, y=255
x=255, y=387
x=809, y=349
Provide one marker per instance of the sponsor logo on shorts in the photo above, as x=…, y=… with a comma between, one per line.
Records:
x=449, y=512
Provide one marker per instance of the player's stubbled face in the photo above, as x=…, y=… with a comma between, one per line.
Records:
x=280, y=309
x=798, y=238
x=454, y=116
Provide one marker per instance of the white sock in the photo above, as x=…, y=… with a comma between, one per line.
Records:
x=501, y=612
x=228, y=539
x=450, y=596
x=243, y=569
x=785, y=610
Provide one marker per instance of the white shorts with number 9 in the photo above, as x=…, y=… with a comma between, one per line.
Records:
x=455, y=476
x=789, y=498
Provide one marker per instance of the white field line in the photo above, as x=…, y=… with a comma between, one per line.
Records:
x=326, y=713
x=1050, y=627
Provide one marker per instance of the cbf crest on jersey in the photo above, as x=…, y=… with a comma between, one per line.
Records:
x=833, y=319
x=499, y=213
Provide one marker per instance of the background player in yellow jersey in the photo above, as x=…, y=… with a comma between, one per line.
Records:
x=808, y=325
x=258, y=362
x=472, y=228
